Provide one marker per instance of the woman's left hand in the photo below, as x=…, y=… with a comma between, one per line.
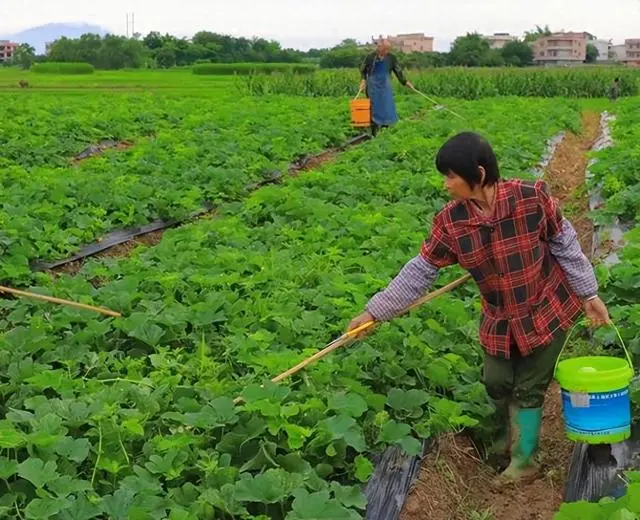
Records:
x=408, y=84
x=596, y=312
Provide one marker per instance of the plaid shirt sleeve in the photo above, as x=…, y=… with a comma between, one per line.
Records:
x=412, y=282
x=576, y=266
x=552, y=214
x=438, y=249
x=565, y=247
x=416, y=276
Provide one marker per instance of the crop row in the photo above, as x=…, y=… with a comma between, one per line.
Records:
x=619, y=282
x=459, y=82
x=186, y=151
x=135, y=416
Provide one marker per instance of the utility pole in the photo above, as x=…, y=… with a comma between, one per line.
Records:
x=133, y=25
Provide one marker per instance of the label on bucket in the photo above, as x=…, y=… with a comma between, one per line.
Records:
x=597, y=414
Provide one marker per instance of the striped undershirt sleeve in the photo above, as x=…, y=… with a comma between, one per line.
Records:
x=413, y=281
x=564, y=246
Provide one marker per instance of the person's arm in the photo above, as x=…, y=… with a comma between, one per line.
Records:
x=565, y=247
x=364, y=68
x=563, y=243
x=414, y=280
x=397, y=70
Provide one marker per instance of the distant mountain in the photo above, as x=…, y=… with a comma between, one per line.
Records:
x=43, y=34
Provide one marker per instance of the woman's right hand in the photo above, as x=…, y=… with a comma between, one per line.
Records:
x=363, y=84
x=359, y=321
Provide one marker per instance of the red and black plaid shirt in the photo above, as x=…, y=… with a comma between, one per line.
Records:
x=525, y=295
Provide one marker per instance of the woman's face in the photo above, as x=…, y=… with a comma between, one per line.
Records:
x=457, y=186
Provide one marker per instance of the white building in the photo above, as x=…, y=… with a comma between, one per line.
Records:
x=618, y=52
x=604, y=48
x=499, y=40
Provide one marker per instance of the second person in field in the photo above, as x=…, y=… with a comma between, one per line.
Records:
x=376, y=72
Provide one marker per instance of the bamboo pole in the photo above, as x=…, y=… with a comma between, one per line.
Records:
x=60, y=301
x=347, y=337
x=436, y=103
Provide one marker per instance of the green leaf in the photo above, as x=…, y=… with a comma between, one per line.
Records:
x=318, y=506
x=345, y=427
x=40, y=508
x=348, y=403
x=81, y=509
x=293, y=463
x=138, y=326
x=411, y=446
x=581, y=510
x=624, y=514
x=438, y=373
x=324, y=469
x=178, y=513
x=264, y=458
x=355, y=439
x=117, y=506
x=38, y=472
x=339, y=425
x=76, y=450
x=20, y=416
x=349, y=496
x=67, y=485
x=8, y=468
x=269, y=391
x=133, y=426
x=10, y=437
x=56, y=379
x=220, y=412
x=170, y=465
x=393, y=432
x=364, y=468
x=270, y=487
x=224, y=499
x=296, y=435
x=410, y=401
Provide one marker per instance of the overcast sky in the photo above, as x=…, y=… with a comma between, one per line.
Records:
x=305, y=23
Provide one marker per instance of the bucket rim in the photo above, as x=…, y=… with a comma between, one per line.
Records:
x=615, y=375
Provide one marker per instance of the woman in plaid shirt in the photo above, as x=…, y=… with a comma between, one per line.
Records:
x=534, y=279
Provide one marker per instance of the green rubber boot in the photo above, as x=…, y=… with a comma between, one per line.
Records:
x=525, y=441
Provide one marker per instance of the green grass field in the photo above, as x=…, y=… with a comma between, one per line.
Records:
x=180, y=79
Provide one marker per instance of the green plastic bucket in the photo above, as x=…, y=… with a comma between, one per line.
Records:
x=595, y=397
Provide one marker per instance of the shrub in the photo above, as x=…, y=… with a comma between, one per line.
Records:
x=53, y=67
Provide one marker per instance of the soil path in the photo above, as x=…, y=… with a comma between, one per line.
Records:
x=454, y=483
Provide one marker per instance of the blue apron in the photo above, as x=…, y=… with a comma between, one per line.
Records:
x=383, y=107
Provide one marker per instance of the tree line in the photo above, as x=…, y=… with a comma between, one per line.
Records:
x=156, y=50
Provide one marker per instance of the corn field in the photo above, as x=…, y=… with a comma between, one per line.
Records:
x=465, y=83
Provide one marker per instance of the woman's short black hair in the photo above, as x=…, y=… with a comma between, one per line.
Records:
x=463, y=154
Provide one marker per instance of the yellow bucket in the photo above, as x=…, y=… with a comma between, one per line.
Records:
x=360, y=112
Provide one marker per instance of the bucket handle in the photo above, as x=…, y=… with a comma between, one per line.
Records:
x=581, y=322
x=358, y=94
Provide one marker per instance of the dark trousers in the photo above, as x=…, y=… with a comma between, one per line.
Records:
x=522, y=380
x=375, y=128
